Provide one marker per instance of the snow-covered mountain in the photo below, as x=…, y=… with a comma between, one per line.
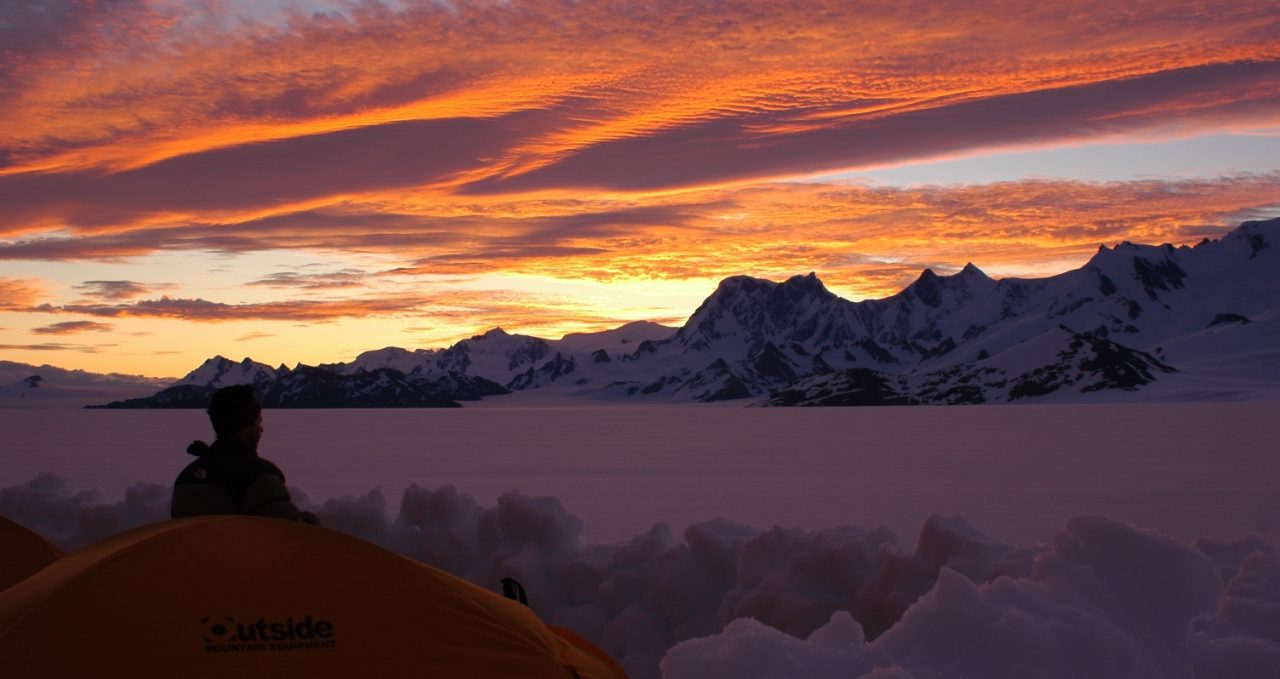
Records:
x=1055, y=362
x=619, y=339
x=496, y=355
x=1165, y=322
x=29, y=386
x=219, y=372
x=1180, y=323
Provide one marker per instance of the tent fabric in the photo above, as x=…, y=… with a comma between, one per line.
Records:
x=22, y=553
x=241, y=596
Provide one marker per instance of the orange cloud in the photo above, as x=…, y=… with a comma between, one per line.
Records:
x=328, y=280
x=445, y=314
x=117, y=290
x=205, y=310
x=59, y=346
x=481, y=98
x=19, y=293
x=72, y=328
x=854, y=235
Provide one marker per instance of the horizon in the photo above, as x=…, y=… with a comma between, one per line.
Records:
x=300, y=182
x=951, y=271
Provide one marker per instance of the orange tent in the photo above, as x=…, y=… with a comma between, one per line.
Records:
x=235, y=596
x=22, y=553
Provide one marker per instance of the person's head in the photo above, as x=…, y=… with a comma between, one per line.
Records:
x=236, y=413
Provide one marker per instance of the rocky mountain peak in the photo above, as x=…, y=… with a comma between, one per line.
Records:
x=927, y=288
x=1260, y=225
x=756, y=310
x=746, y=289
x=1259, y=235
x=808, y=283
x=733, y=297
x=741, y=286
x=799, y=288
x=220, y=371
x=214, y=364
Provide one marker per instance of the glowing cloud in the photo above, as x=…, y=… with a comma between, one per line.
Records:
x=19, y=293
x=851, y=234
x=72, y=328
x=117, y=290
x=347, y=278
x=205, y=310
x=612, y=96
x=58, y=346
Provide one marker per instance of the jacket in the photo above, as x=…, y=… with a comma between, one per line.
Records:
x=228, y=477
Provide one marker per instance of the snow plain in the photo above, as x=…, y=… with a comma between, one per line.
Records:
x=1061, y=538
x=1015, y=471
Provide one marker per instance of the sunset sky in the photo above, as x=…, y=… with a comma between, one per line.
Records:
x=301, y=181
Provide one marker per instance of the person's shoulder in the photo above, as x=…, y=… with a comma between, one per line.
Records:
x=197, y=470
x=265, y=466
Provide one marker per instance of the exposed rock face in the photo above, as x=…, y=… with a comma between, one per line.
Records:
x=314, y=387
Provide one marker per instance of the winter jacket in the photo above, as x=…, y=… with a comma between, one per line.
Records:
x=229, y=478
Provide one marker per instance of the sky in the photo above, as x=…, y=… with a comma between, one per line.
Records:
x=302, y=181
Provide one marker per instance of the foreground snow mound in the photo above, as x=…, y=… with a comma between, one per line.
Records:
x=54, y=508
x=748, y=648
x=1105, y=600
x=727, y=599
x=899, y=580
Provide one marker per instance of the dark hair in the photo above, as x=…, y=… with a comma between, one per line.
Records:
x=232, y=409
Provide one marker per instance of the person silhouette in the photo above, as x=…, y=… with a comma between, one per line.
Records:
x=229, y=477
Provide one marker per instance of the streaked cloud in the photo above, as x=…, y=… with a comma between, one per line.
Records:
x=19, y=293
x=347, y=278
x=495, y=99
x=435, y=317
x=445, y=310
x=72, y=328
x=118, y=290
x=204, y=310
x=760, y=145
x=851, y=234
x=59, y=346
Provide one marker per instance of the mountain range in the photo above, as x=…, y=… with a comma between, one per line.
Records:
x=1137, y=322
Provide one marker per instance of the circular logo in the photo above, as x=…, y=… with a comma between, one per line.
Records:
x=218, y=629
